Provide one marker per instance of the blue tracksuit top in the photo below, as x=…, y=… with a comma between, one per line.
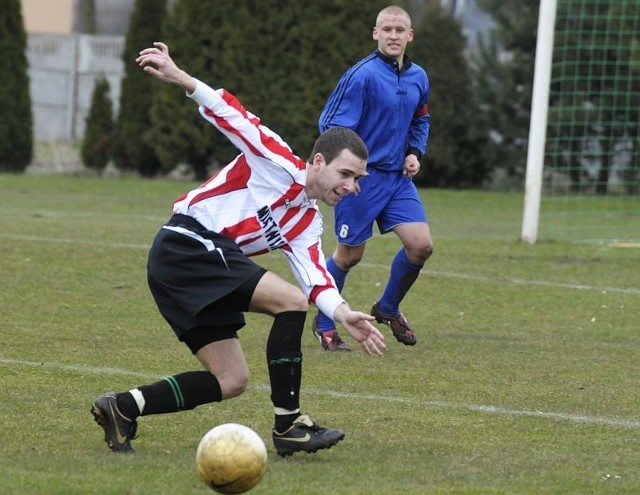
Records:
x=386, y=108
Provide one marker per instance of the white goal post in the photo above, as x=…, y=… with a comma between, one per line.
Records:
x=538, y=123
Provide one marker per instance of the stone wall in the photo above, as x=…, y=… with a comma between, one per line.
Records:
x=62, y=73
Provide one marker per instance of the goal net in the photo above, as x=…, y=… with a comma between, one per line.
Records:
x=584, y=174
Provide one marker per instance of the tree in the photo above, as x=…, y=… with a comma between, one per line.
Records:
x=319, y=41
x=454, y=148
x=282, y=67
x=503, y=81
x=95, y=150
x=202, y=37
x=131, y=150
x=16, y=124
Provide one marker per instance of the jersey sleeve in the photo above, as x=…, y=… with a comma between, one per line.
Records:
x=421, y=122
x=345, y=105
x=243, y=129
x=307, y=262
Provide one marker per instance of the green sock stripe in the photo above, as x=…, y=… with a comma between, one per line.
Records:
x=285, y=360
x=177, y=393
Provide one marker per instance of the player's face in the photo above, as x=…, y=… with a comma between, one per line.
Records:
x=339, y=177
x=393, y=32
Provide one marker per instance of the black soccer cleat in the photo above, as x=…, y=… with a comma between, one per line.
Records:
x=118, y=429
x=305, y=436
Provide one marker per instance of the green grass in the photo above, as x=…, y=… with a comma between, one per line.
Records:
x=524, y=379
x=590, y=217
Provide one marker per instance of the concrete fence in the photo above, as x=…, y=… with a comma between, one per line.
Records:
x=62, y=71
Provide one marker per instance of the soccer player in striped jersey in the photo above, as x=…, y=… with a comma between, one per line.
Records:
x=203, y=279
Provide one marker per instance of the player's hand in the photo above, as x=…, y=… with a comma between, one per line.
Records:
x=411, y=165
x=369, y=337
x=157, y=62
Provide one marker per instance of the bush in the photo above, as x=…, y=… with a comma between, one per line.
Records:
x=96, y=145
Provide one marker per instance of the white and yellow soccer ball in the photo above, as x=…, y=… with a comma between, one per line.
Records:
x=231, y=458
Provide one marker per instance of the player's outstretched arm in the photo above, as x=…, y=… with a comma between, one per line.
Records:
x=359, y=327
x=157, y=62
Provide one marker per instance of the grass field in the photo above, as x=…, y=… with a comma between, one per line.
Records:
x=524, y=379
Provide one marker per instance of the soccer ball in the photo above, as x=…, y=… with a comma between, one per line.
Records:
x=231, y=458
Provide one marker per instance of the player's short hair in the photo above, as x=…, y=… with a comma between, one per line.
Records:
x=332, y=141
x=393, y=10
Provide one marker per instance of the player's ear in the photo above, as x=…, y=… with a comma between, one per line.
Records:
x=318, y=161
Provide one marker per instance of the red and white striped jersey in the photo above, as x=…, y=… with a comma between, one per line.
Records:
x=259, y=199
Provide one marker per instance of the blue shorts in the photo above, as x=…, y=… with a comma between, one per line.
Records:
x=388, y=198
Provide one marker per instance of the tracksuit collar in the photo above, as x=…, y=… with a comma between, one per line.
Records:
x=406, y=62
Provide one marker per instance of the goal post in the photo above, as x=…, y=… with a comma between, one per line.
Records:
x=582, y=181
x=538, y=124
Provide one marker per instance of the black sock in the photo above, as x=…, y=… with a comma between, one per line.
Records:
x=284, y=361
x=284, y=421
x=180, y=392
x=127, y=405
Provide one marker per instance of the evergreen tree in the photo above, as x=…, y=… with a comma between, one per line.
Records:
x=280, y=58
x=202, y=37
x=16, y=123
x=95, y=150
x=317, y=41
x=503, y=79
x=453, y=157
x=130, y=149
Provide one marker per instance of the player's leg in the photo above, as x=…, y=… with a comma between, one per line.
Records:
x=273, y=295
x=354, y=217
x=346, y=257
x=210, y=333
x=218, y=349
x=416, y=240
x=339, y=263
x=202, y=297
x=417, y=247
x=405, y=216
x=225, y=361
x=288, y=306
x=292, y=431
x=225, y=376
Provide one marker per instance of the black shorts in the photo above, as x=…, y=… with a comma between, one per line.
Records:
x=200, y=280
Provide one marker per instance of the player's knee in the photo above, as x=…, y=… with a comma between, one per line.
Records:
x=346, y=261
x=291, y=299
x=235, y=385
x=427, y=250
x=294, y=301
x=419, y=254
x=346, y=257
x=353, y=261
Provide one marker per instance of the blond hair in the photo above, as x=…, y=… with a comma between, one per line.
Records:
x=393, y=10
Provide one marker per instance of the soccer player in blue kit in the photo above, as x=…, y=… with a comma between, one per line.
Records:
x=384, y=99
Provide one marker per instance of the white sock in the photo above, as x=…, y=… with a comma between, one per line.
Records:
x=283, y=412
x=139, y=398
